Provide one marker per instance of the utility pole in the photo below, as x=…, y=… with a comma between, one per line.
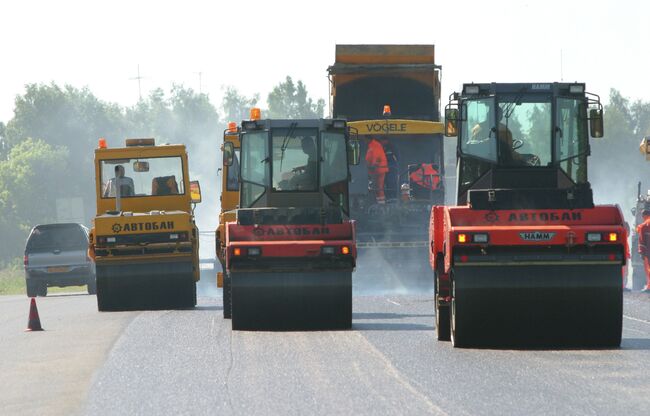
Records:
x=139, y=85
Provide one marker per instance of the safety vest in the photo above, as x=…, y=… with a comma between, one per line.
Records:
x=426, y=176
x=376, y=158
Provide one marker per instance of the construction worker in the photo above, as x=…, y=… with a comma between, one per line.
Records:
x=392, y=176
x=377, y=168
x=628, y=256
x=305, y=177
x=126, y=184
x=425, y=176
x=643, y=233
x=481, y=131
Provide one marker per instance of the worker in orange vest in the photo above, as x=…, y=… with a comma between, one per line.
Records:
x=377, y=168
x=426, y=176
x=643, y=233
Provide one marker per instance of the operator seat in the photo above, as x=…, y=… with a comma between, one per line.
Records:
x=164, y=185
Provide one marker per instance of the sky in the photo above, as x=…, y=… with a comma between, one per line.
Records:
x=253, y=45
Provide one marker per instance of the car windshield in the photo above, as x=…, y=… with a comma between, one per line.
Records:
x=142, y=177
x=57, y=237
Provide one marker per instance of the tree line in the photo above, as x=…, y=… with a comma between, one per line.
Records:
x=47, y=148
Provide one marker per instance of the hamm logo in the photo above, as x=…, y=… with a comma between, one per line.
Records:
x=536, y=236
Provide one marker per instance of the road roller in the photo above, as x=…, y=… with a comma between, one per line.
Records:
x=290, y=248
x=525, y=257
x=144, y=240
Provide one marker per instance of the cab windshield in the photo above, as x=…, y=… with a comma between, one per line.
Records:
x=510, y=133
x=142, y=177
x=518, y=131
x=293, y=160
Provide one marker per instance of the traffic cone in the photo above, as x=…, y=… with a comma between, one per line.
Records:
x=34, y=323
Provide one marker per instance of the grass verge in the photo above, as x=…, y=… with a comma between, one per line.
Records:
x=12, y=282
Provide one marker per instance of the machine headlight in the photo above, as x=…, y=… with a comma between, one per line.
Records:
x=594, y=237
x=327, y=250
x=480, y=238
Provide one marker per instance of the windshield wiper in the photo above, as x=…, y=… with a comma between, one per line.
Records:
x=285, y=141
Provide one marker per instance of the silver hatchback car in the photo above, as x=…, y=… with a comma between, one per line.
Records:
x=56, y=255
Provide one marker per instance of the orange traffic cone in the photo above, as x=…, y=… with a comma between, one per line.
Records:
x=34, y=323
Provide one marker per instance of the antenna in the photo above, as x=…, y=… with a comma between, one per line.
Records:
x=561, y=67
x=200, y=74
x=139, y=84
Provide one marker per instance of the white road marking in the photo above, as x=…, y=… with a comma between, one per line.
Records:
x=636, y=319
x=393, y=302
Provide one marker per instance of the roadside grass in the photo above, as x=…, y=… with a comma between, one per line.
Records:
x=12, y=282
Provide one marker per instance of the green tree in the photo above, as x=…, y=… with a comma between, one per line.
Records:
x=235, y=106
x=30, y=181
x=616, y=165
x=289, y=100
x=70, y=117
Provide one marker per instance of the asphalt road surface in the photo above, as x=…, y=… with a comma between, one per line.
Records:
x=190, y=362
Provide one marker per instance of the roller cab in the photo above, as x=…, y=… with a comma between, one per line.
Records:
x=526, y=258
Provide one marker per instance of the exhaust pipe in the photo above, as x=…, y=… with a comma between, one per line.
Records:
x=118, y=190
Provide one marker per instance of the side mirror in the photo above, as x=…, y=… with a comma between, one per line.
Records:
x=354, y=152
x=451, y=122
x=195, y=192
x=596, y=122
x=141, y=166
x=228, y=153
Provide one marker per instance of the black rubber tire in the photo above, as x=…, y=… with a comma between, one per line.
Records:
x=92, y=285
x=443, y=320
x=104, y=301
x=443, y=323
x=32, y=288
x=189, y=295
x=459, y=336
x=296, y=301
x=227, y=297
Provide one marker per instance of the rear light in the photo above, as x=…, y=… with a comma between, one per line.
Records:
x=462, y=238
x=613, y=237
x=254, y=251
x=327, y=250
x=237, y=251
x=594, y=237
x=25, y=260
x=345, y=250
x=480, y=238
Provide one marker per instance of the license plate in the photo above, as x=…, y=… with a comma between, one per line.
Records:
x=58, y=269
